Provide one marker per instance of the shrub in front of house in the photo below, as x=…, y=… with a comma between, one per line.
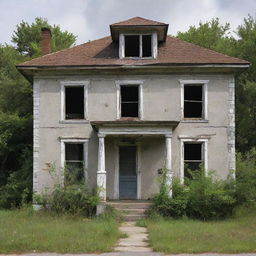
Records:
x=203, y=197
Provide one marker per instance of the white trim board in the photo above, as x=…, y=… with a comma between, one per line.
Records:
x=66, y=83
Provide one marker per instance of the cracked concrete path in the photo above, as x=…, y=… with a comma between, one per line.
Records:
x=136, y=240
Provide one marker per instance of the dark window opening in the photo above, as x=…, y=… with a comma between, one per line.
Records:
x=193, y=159
x=129, y=101
x=193, y=101
x=146, y=46
x=74, y=102
x=74, y=163
x=132, y=46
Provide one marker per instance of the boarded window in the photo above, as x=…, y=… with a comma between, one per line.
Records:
x=192, y=157
x=193, y=101
x=74, y=162
x=129, y=101
x=132, y=46
x=74, y=102
x=146, y=46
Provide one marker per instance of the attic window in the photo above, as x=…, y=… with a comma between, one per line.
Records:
x=139, y=46
x=129, y=101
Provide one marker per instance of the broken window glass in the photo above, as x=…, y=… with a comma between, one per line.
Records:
x=74, y=102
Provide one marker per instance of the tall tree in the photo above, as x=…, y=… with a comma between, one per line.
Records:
x=16, y=109
x=27, y=37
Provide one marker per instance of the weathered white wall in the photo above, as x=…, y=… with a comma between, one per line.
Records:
x=161, y=101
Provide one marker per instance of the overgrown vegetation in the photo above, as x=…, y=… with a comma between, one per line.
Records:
x=206, y=197
x=27, y=231
x=235, y=235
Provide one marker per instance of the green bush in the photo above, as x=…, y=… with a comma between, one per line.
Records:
x=246, y=177
x=203, y=197
x=209, y=198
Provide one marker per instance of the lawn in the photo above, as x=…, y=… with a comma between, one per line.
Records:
x=235, y=235
x=26, y=231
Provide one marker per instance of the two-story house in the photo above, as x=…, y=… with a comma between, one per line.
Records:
x=127, y=105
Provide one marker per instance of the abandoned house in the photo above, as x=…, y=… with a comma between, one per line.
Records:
x=124, y=106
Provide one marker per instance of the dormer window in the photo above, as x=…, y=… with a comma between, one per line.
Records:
x=138, y=46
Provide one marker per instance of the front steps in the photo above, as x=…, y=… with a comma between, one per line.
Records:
x=132, y=210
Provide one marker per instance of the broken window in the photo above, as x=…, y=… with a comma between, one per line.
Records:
x=138, y=46
x=193, y=101
x=74, y=102
x=74, y=163
x=129, y=101
x=193, y=159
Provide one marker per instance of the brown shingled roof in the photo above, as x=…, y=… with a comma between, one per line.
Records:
x=138, y=21
x=104, y=52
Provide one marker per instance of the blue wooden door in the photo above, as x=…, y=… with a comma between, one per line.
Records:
x=127, y=172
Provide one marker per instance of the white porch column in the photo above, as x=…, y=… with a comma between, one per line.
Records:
x=168, y=161
x=101, y=173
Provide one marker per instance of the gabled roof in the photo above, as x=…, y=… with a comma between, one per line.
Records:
x=138, y=21
x=104, y=52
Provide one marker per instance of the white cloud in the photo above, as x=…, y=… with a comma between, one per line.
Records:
x=90, y=19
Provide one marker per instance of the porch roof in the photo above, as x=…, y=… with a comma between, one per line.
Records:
x=138, y=127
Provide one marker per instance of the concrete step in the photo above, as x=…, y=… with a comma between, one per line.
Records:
x=133, y=217
x=130, y=204
x=139, y=211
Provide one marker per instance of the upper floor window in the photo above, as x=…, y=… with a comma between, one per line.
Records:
x=74, y=100
x=129, y=99
x=194, y=99
x=138, y=46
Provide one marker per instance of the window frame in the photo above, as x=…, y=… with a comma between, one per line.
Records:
x=64, y=141
x=193, y=140
x=65, y=84
x=204, y=84
x=153, y=45
x=120, y=83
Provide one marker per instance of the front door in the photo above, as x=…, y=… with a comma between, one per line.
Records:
x=127, y=172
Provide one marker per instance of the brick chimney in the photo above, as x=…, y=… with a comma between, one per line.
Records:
x=46, y=41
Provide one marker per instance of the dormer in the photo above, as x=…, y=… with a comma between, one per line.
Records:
x=138, y=38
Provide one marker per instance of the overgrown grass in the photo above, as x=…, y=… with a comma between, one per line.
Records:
x=27, y=231
x=236, y=235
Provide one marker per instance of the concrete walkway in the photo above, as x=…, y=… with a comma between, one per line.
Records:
x=136, y=240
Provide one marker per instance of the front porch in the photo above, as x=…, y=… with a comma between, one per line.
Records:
x=128, y=177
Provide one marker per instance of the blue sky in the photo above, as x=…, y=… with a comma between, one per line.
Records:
x=90, y=19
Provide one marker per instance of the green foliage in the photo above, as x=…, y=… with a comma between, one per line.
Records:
x=28, y=37
x=73, y=198
x=210, y=198
x=203, y=197
x=246, y=177
x=16, y=110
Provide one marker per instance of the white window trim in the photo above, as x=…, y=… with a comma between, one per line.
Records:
x=120, y=83
x=204, y=83
x=205, y=154
x=63, y=153
x=64, y=84
x=153, y=46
